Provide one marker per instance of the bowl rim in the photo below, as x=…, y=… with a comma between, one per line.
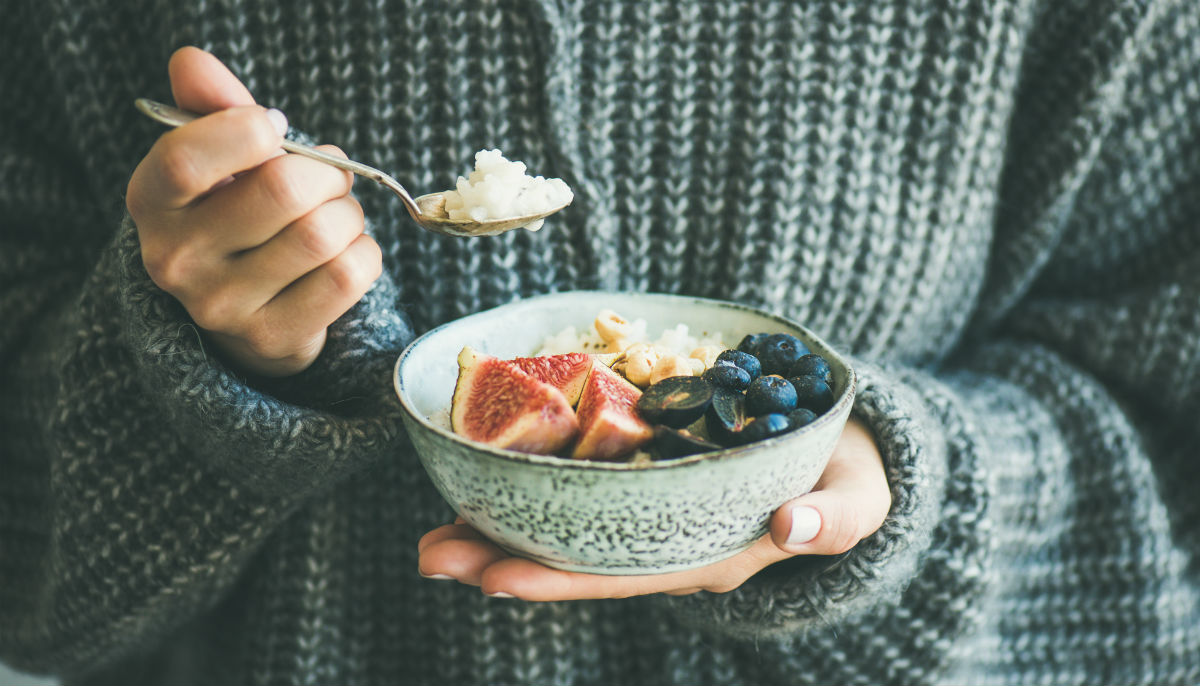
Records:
x=845, y=399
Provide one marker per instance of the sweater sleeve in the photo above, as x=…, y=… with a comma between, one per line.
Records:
x=140, y=473
x=1040, y=474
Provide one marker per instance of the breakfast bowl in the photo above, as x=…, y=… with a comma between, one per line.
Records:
x=610, y=517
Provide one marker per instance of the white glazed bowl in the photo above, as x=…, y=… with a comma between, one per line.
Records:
x=605, y=517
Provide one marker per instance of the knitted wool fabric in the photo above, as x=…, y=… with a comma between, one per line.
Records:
x=989, y=203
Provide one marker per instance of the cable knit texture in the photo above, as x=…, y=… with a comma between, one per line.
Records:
x=990, y=204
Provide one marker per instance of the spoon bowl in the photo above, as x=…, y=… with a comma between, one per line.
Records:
x=428, y=211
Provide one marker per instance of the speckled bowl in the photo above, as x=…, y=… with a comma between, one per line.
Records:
x=602, y=517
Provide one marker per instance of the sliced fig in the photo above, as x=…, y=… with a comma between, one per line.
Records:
x=671, y=443
x=609, y=425
x=676, y=401
x=726, y=416
x=566, y=372
x=498, y=404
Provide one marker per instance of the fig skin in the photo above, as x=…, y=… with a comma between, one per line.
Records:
x=609, y=425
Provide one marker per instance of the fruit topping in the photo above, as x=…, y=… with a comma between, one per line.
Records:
x=725, y=375
x=751, y=343
x=609, y=425
x=812, y=364
x=743, y=360
x=675, y=401
x=726, y=416
x=801, y=417
x=779, y=351
x=498, y=404
x=765, y=426
x=770, y=394
x=670, y=443
x=566, y=372
x=813, y=393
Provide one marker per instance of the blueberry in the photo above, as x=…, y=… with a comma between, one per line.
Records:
x=764, y=427
x=725, y=375
x=676, y=401
x=768, y=395
x=742, y=359
x=726, y=416
x=670, y=443
x=779, y=351
x=813, y=393
x=812, y=364
x=801, y=416
x=750, y=343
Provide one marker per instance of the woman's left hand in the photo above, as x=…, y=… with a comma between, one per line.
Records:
x=849, y=503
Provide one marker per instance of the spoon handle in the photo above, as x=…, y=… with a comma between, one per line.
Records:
x=173, y=116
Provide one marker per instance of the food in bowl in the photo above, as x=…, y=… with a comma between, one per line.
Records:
x=499, y=188
x=605, y=516
x=593, y=406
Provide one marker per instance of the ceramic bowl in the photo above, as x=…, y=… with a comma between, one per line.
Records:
x=606, y=517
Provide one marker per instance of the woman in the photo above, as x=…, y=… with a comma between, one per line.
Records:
x=986, y=203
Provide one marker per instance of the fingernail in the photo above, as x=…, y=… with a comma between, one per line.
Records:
x=440, y=577
x=278, y=120
x=500, y=594
x=806, y=524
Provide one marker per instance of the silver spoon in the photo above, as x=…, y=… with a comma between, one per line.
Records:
x=428, y=211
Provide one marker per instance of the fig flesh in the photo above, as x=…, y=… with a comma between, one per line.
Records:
x=497, y=404
x=566, y=372
x=609, y=425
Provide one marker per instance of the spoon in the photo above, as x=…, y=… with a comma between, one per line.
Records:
x=428, y=211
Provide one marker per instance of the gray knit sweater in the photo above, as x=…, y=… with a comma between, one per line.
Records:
x=991, y=204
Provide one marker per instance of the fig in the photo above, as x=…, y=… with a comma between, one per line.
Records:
x=609, y=425
x=566, y=372
x=676, y=401
x=670, y=443
x=726, y=416
x=498, y=404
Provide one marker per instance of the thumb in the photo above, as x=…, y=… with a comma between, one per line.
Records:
x=201, y=83
x=851, y=501
x=820, y=523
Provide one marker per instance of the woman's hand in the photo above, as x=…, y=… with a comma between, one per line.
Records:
x=263, y=249
x=849, y=503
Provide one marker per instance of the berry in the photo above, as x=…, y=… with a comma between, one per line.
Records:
x=812, y=393
x=801, y=416
x=768, y=395
x=726, y=416
x=743, y=360
x=726, y=375
x=750, y=343
x=812, y=364
x=765, y=426
x=676, y=401
x=779, y=351
x=670, y=443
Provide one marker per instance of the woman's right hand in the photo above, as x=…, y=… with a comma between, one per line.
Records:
x=264, y=250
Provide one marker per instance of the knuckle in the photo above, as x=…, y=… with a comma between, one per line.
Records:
x=315, y=240
x=348, y=273
x=215, y=311
x=284, y=189
x=170, y=270
x=178, y=166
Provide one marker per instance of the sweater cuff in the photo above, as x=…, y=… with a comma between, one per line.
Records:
x=811, y=590
x=283, y=437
